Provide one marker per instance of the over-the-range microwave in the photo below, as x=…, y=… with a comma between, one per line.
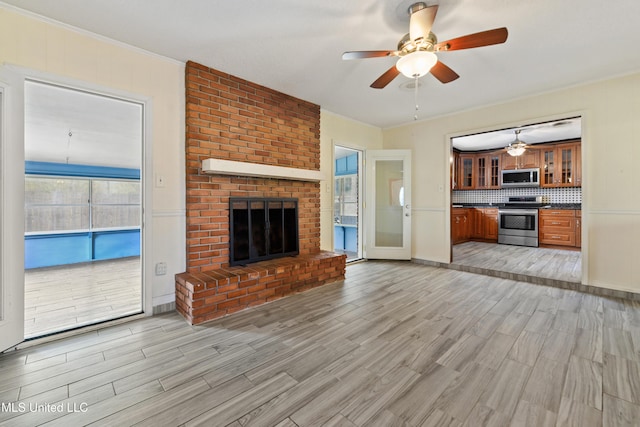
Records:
x=521, y=178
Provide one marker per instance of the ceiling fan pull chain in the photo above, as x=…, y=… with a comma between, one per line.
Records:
x=415, y=94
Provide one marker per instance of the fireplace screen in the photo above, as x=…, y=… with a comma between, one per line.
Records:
x=262, y=229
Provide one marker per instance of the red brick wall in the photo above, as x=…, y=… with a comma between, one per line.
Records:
x=233, y=119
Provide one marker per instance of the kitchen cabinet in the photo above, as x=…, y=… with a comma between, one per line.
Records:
x=578, y=166
x=561, y=165
x=490, y=224
x=460, y=229
x=466, y=178
x=557, y=227
x=529, y=159
x=578, y=228
x=485, y=224
x=474, y=224
x=455, y=170
x=487, y=171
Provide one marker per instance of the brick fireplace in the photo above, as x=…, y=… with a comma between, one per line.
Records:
x=231, y=119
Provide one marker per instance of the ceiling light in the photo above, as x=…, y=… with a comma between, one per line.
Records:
x=416, y=64
x=517, y=147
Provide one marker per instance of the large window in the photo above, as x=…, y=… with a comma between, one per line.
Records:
x=55, y=204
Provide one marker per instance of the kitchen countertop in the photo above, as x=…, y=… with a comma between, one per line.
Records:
x=477, y=205
x=577, y=206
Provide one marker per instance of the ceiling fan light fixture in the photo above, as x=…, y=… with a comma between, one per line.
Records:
x=517, y=147
x=416, y=64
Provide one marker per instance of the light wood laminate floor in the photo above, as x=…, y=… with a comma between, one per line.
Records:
x=70, y=296
x=545, y=263
x=395, y=344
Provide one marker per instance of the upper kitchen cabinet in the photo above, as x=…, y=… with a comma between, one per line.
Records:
x=578, y=169
x=529, y=159
x=455, y=170
x=466, y=179
x=561, y=165
x=487, y=171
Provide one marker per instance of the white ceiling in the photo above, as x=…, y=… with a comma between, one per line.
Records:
x=295, y=46
x=74, y=127
x=558, y=130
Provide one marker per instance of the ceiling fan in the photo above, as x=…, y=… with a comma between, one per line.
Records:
x=416, y=50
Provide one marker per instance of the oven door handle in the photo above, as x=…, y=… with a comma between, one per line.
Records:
x=518, y=211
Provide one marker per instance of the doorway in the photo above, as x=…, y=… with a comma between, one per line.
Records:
x=347, y=202
x=82, y=208
x=554, y=152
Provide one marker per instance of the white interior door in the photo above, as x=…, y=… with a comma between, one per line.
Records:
x=11, y=209
x=388, y=209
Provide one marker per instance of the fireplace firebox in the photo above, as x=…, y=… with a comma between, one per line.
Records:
x=262, y=229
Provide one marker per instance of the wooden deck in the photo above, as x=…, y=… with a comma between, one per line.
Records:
x=61, y=298
x=395, y=344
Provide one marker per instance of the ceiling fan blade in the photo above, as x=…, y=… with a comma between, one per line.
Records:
x=443, y=73
x=362, y=54
x=484, y=38
x=386, y=78
x=421, y=21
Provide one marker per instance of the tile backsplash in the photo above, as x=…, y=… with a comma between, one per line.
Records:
x=549, y=195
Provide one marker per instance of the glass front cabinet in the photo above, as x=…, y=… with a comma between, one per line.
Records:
x=560, y=166
x=488, y=172
x=467, y=172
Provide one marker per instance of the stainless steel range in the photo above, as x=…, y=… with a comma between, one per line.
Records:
x=518, y=221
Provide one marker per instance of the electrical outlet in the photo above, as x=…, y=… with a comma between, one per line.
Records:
x=161, y=269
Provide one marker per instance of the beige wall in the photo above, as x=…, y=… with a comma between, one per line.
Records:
x=71, y=56
x=338, y=130
x=611, y=172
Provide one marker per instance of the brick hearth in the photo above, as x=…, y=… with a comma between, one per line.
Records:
x=212, y=294
x=233, y=119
